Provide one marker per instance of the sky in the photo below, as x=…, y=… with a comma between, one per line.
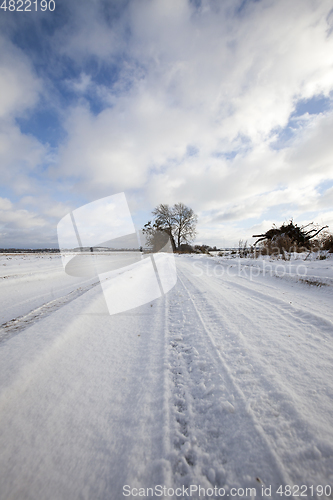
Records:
x=223, y=105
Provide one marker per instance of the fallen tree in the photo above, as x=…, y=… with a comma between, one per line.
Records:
x=290, y=235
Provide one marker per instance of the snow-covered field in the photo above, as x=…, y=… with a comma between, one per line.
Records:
x=225, y=383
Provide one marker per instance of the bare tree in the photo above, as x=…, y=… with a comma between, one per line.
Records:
x=155, y=237
x=178, y=222
x=185, y=222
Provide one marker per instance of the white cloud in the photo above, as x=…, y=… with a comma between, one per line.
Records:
x=82, y=84
x=19, y=87
x=21, y=219
x=193, y=107
x=89, y=33
x=210, y=79
x=313, y=149
x=20, y=154
x=5, y=204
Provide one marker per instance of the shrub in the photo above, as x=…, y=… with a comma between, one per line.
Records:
x=185, y=248
x=202, y=248
x=243, y=250
x=279, y=245
x=327, y=242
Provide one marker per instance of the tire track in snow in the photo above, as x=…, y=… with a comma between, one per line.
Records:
x=15, y=326
x=279, y=466
x=277, y=410
x=214, y=430
x=88, y=402
x=179, y=422
x=302, y=324
x=306, y=317
x=254, y=310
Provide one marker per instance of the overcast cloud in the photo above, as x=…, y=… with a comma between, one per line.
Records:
x=225, y=106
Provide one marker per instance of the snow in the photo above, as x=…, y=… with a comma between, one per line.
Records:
x=225, y=381
x=28, y=281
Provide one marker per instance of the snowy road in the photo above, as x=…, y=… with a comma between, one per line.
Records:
x=224, y=382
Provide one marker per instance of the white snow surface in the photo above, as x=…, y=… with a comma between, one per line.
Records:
x=226, y=381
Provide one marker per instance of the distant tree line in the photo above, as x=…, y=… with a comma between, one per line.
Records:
x=29, y=250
